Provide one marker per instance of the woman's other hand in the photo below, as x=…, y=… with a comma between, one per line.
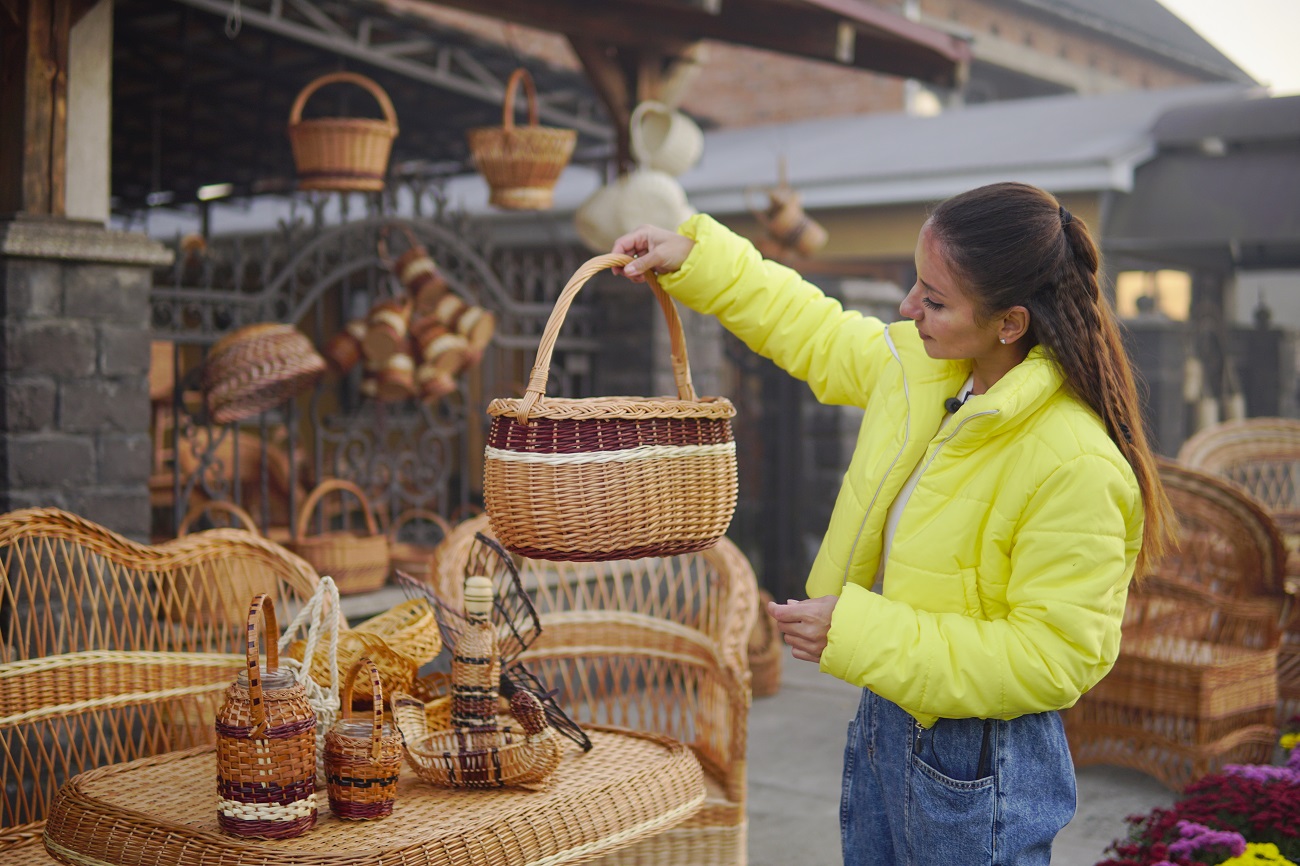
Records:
x=654, y=248
x=805, y=625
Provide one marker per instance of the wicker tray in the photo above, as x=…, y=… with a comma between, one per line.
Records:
x=607, y=478
x=158, y=811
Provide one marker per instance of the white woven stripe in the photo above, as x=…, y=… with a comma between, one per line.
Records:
x=625, y=455
x=303, y=808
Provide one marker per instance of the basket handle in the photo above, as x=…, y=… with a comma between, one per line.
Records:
x=242, y=516
x=314, y=498
x=265, y=606
x=377, y=700
x=385, y=104
x=530, y=93
x=542, y=366
x=411, y=513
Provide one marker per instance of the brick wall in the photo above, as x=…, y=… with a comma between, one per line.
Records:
x=74, y=398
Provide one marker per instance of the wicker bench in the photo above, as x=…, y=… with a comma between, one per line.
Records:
x=1262, y=456
x=1195, y=686
x=114, y=650
x=655, y=645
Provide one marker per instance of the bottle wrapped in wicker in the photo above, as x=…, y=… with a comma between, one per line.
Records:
x=608, y=478
x=256, y=368
x=266, y=744
x=363, y=757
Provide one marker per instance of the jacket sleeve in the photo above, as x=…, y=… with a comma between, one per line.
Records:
x=778, y=314
x=1072, y=557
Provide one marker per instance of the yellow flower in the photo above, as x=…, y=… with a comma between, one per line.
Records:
x=1259, y=854
x=1290, y=741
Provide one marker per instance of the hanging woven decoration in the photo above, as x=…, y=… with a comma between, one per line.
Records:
x=521, y=163
x=256, y=368
x=347, y=154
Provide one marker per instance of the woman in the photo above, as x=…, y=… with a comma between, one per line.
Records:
x=999, y=498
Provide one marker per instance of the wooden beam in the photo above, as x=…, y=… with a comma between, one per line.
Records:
x=613, y=84
x=34, y=109
x=828, y=30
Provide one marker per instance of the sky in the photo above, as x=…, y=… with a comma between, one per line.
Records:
x=1260, y=36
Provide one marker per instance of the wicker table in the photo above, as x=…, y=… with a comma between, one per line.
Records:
x=162, y=812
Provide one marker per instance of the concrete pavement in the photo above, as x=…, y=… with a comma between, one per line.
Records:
x=796, y=745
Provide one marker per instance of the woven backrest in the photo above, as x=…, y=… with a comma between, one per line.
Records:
x=655, y=644
x=112, y=650
x=1260, y=454
x=1227, y=544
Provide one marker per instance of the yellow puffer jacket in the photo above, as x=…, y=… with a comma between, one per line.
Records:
x=1009, y=569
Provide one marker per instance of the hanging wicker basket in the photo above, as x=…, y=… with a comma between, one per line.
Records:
x=521, y=163
x=256, y=368
x=342, y=153
x=609, y=477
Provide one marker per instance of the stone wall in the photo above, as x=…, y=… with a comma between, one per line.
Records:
x=74, y=392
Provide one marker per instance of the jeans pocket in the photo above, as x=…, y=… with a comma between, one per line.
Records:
x=949, y=820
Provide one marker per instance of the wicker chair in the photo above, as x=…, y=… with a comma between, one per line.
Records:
x=656, y=645
x=1195, y=684
x=1263, y=456
x=112, y=650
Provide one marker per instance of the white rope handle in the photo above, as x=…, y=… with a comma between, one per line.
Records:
x=320, y=616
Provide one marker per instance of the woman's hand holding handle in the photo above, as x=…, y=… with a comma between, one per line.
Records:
x=654, y=248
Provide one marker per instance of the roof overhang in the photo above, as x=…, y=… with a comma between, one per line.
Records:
x=850, y=32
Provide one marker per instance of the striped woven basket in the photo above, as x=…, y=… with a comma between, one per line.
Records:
x=256, y=368
x=521, y=164
x=363, y=756
x=266, y=744
x=608, y=478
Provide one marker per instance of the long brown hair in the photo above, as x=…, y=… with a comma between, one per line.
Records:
x=1015, y=245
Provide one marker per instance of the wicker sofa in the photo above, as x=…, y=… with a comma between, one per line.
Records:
x=657, y=645
x=112, y=650
x=1195, y=685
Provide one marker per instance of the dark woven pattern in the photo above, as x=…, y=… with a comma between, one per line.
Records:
x=565, y=436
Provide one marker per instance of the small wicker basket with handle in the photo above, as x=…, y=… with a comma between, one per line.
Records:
x=266, y=744
x=363, y=756
x=609, y=478
x=521, y=163
x=357, y=561
x=342, y=153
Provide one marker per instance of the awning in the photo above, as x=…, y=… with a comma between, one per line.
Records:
x=1222, y=193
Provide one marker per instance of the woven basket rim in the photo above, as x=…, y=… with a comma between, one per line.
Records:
x=596, y=408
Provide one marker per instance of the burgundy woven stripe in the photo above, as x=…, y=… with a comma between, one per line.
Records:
x=665, y=549
x=361, y=811
x=283, y=732
x=549, y=436
x=267, y=829
x=266, y=792
x=351, y=175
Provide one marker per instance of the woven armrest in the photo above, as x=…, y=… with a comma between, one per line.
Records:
x=643, y=673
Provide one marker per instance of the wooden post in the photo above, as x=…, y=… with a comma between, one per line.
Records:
x=34, y=105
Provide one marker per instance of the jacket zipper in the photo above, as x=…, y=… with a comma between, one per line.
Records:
x=907, y=428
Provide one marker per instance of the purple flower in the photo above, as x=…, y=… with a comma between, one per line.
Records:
x=1198, y=837
x=1268, y=773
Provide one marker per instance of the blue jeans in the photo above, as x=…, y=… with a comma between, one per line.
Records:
x=966, y=792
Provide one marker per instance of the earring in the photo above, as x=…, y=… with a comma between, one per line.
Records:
x=1003, y=341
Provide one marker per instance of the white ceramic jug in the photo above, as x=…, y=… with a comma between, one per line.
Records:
x=664, y=139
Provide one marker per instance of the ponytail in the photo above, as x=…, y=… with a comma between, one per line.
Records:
x=1018, y=246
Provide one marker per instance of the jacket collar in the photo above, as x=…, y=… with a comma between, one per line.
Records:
x=1013, y=398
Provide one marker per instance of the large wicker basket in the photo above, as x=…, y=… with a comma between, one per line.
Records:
x=521, y=163
x=342, y=153
x=257, y=368
x=358, y=561
x=609, y=477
